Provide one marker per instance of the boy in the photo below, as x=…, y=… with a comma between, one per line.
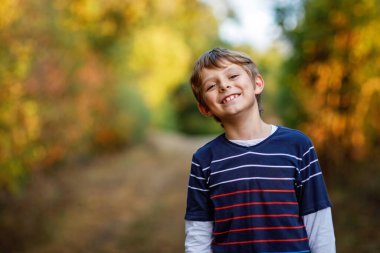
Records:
x=257, y=187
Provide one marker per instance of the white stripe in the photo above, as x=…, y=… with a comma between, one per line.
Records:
x=201, y=178
x=308, y=151
x=230, y=157
x=198, y=189
x=314, y=175
x=196, y=164
x=206, y=168
x=304, y=168
x=251, y=178
x=278, y=154
x=252, y=165
x=256, y=153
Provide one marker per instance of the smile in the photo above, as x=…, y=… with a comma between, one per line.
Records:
x=229, y=98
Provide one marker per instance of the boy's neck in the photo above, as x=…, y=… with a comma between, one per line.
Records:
x=247, y=129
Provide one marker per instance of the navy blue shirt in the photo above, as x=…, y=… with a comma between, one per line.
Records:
x=256, y=195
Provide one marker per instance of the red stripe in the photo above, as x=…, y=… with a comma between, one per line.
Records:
x=258, y=216
x=256, y=203
x=257, y=241
x=248, y=191
x=257, y=228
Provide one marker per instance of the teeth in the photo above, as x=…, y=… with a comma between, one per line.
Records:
x=229, y=98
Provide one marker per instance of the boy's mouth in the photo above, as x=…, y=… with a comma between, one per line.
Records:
x=230, y=98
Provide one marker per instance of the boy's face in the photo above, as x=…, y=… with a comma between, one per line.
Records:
x=229, y=91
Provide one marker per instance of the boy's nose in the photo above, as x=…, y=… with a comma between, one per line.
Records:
x=224, y=86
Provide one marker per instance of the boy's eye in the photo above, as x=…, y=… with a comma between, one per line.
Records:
x=234, y=76
x=210, y=86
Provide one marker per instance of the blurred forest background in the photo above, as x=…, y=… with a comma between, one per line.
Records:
x=86, y=84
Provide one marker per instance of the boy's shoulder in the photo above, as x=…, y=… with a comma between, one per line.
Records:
x=293, y=136
x=282, y=138
x=211, y=144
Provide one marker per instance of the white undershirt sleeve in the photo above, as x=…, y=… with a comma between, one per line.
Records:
x=320, y=230
x=198, y=236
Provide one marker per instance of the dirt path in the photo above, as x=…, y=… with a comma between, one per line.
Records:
x=129, y=202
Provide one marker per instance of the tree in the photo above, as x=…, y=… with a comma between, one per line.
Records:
x=333, y=74
x=85, y=76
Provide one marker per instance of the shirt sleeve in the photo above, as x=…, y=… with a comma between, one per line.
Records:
x=198, y=236
x=311, y=188
x=199, y=205
x=320, y=230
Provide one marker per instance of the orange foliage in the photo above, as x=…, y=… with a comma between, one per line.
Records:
x=74, y=74
x=340, y=76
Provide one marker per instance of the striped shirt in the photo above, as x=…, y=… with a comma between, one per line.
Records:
x=257, y=195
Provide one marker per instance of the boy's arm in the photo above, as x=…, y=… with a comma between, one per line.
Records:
x=315, y=206
x=198, y=236
x=320, y=230
x=199, y=212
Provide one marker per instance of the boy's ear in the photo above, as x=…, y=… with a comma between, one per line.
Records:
x=259, y=84
x=204, y=110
